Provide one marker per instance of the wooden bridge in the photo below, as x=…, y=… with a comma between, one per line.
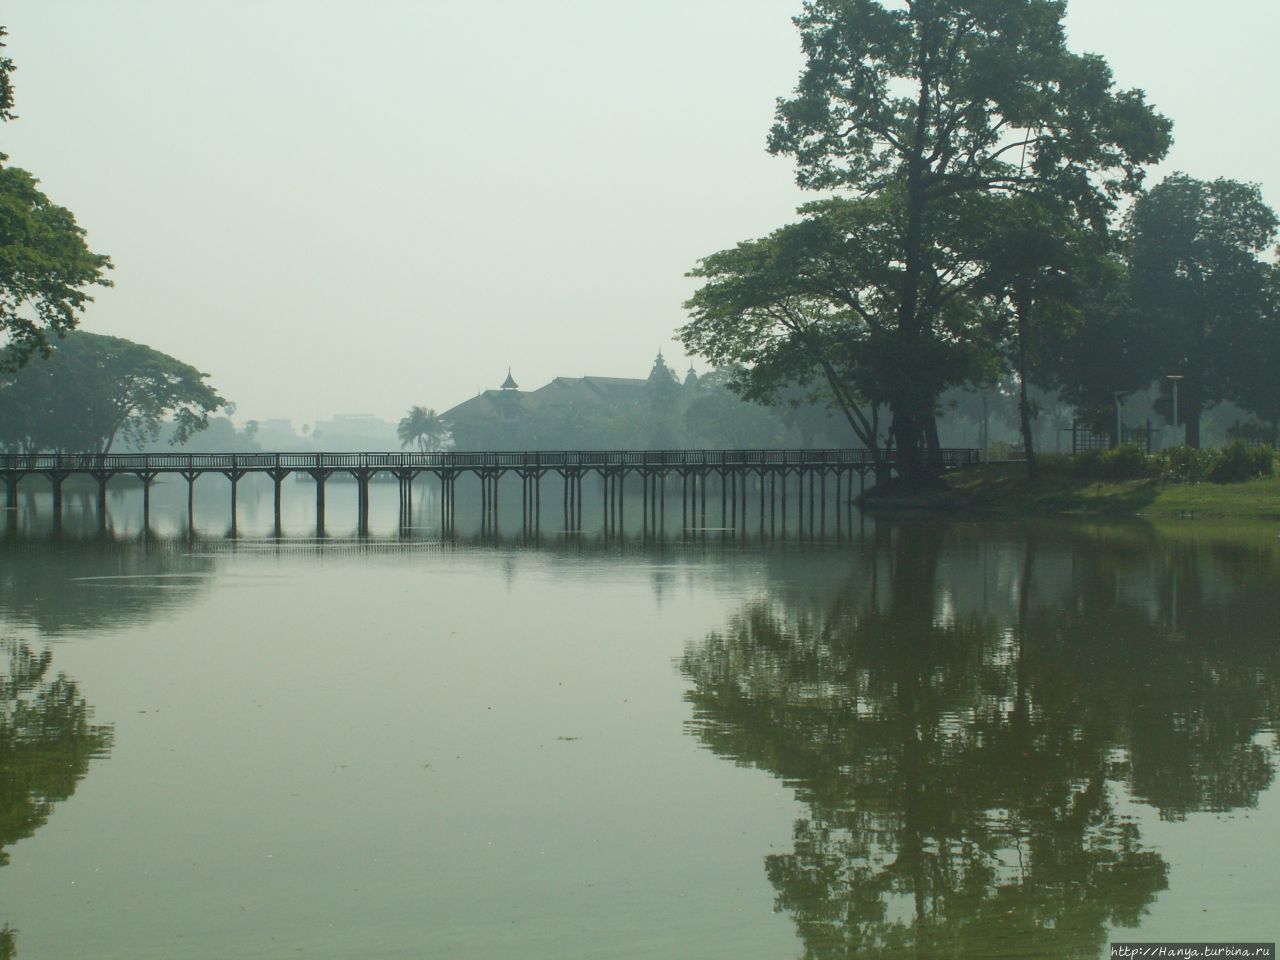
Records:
x=657, y=470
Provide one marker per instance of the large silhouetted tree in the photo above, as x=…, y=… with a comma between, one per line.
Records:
x=920, y=110
x=1198, y=275
x=45, y=264
x=95, y=389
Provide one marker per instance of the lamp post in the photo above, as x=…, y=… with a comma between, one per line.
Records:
x=1174, y=377
x=1119, y=438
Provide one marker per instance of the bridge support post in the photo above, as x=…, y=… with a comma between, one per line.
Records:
x=234, y=475
x=605, y=495
x=147, y=477
x=662, y=504
x=190, y=476
x=684, y=501
x=362, y=500
x=447, y=478
x=535, y=511
x=11, y=491
x=702, y=494
x=822, y=497
x=277, y=475
x=493, y=502
x=55, y=479
x=773, y=503
x=839, y=504
x=644, y=503
x=320, y=476
x=732, y=501
x=101, y=477
x=405, y=478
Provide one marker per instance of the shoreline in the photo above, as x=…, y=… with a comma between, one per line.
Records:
x=1002, y=491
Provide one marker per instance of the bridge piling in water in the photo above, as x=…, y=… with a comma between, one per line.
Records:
x=735, y=470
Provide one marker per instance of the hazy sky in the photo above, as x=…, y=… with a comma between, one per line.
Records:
x=345, y=207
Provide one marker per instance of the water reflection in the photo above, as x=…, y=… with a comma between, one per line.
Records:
x=58, y=587
x=964, y=714
x=46, y=744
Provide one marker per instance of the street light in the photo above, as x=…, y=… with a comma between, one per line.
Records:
x=1174, y=378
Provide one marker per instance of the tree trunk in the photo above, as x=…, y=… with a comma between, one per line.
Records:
x=1023, y=311
x=933, y=444
x=909, y=431
x=1190, y=405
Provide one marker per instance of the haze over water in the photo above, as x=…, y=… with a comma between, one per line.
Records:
x=950, y=741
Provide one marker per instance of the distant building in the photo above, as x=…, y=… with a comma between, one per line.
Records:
x=354, y=431
x=568, y=412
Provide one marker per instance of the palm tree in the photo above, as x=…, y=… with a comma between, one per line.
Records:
x=423, y=427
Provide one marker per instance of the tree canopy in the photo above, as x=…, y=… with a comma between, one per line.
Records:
x=96, y=389
x=45, y=264
x=924, y=113
x=422, y=427
x=1199, y=279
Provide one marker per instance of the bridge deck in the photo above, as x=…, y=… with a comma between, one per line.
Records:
x=457, y=461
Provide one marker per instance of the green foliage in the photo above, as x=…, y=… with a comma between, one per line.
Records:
x=1183, y=464
x=94, y=389
x=45, y=264
x=422, y=427
x=1232, y=464
x=1198, y=275
x=926, y=113
x=1126, y=462
x=1239, y=462
x=715, y=417
x=6, y=82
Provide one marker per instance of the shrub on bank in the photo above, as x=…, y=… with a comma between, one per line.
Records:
x=1239, y=462
x=1126, y=462
x=1232, y=464
x=1183, y=464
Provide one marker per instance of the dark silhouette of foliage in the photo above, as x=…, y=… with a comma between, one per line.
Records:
x=1198, y=276
x=924, y=112
x=95, y=389
x=45, y=264
x=423, y=428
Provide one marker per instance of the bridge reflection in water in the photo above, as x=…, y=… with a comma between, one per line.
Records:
x=739, y=478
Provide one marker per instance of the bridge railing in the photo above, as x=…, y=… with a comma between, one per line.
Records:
x=457, y=460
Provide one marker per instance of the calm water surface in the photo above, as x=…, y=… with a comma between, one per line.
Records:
x=931, y=741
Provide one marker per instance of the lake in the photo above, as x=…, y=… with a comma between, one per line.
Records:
x=930, y=739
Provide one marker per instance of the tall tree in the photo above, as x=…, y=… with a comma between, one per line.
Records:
x=45, y=264
x=422, y=427
x=1256, y=386
x=95, y=389
x=1040, y=259
x=926, y=107
x=1199, y=278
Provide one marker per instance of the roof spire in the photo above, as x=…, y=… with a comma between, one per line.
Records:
x=510, y=383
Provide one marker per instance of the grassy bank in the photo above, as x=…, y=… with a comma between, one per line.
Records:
x=1002, y=490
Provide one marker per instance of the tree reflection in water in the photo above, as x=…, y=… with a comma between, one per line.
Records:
x=961, y=757
x=46, y=743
